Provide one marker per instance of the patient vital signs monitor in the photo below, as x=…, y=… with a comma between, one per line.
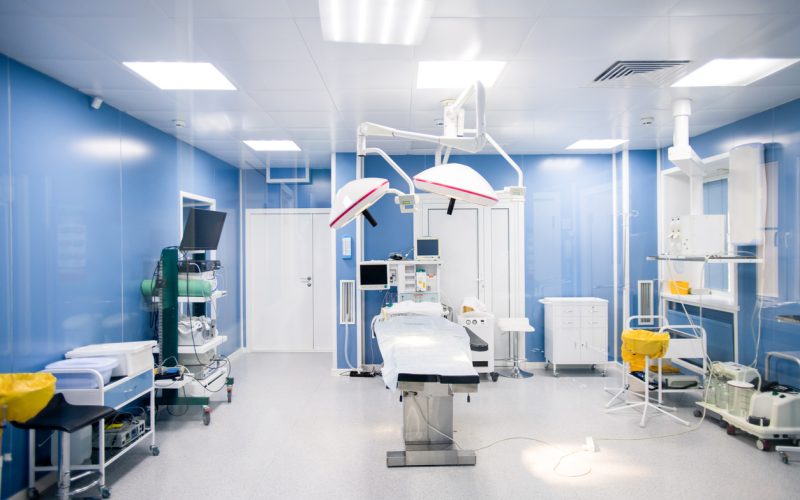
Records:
x=426, y=248
x=374, y=276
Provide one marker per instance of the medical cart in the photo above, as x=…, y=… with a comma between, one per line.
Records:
x=118, y=393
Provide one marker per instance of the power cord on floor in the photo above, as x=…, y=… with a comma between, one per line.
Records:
x=513, y=438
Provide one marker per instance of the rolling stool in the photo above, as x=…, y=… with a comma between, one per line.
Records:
x=514, y=326
x=64, y=418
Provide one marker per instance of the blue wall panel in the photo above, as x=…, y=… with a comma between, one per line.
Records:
x=87, y=200
x=258, y=194
x=643, y=228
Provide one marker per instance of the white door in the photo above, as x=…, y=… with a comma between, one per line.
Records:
x=460, y=249
x=322, y=283
x=288, y=284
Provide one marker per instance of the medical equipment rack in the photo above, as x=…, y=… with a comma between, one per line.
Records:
x=169, y=302
x=765, y=435
x=118, y=393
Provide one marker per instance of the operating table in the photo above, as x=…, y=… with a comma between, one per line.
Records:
x=428, y=359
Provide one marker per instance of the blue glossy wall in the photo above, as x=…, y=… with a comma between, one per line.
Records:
x=88, y=199
x=779, y=130
x=314, y=194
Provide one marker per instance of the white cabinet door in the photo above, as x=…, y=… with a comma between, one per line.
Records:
x=567, y=346
x=279, y=282
x=595, y=345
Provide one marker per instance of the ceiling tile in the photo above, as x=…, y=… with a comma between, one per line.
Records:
x=322, y=50
x=300, y=119
x=369, y=74
x=136, y=100
x=136, y=39
x=20, y=38
x=490, y=8
x=273, y=75
x=372, y=99
x=604, y=8
x=95, y=8
x=247, y=9
x=249, y=39
x=96, y=76
x=551, y=73
x=613, y=38
x=703, y=38
x=293, y=100
x=732, y=7
x=473, y=39
x=213, y=100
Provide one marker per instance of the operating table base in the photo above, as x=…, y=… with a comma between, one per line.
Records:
x=429, y=454
x=428, y=425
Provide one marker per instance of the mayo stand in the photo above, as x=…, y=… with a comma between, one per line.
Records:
x=514, y=326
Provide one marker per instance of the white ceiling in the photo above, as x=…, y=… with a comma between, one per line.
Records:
x=294, y=85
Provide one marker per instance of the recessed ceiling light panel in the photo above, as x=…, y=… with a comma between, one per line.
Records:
x=182, y=75
x=596, y=144
x=732, y=72
x=272, y=145
x=385, y=22
x=457, y=74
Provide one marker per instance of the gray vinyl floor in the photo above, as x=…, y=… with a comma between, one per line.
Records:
x=295, y=431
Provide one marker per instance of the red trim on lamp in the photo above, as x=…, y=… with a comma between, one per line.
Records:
x=356, y=203
x=456, y=189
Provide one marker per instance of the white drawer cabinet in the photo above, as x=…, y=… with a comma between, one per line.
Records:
x=575, y=331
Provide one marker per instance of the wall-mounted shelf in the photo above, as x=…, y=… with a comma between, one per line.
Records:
x=716, y=302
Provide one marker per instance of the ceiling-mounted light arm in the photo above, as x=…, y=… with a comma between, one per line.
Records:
x=507, y=158
x=394, y=165
x=681, y=153
x=454, y=115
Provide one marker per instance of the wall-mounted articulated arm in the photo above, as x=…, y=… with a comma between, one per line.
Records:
x=507, y=158
x=394, y=165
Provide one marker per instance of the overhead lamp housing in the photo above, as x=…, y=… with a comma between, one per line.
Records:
x=384, y=22
x=733, y=72
x=457, y=182
x=355, y=198
x=181, y=75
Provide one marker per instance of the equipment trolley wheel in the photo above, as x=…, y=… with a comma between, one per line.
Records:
x=105, y=492
x=731, y=430
x=697, y=413
x=206, y=415
x=784, y=457
x=494, y=376
x=763, y=444
x=230, y=394
x=155, y=451
x=33, y=493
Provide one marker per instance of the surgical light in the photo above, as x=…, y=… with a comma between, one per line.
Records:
x=733, y=72
x=457, y=182
x=385, y=22
x=355, y=198
x=181, y=75
x=457, y=74
x=272, y=145
x=596, y=144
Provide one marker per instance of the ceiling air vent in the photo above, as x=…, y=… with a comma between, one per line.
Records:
x=641, y=73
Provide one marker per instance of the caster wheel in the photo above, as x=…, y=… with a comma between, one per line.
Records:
x=604, y=373
x=555, y=374
x=230, y=396
x=206, y=418
x=105, y=492
x=494, y=376
x=547, y=365
x=784, y=458
x=731, y=430
x=697, y=413
x=594, y=367
x=155, y=451
x=763, y=445
x=33, y=493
